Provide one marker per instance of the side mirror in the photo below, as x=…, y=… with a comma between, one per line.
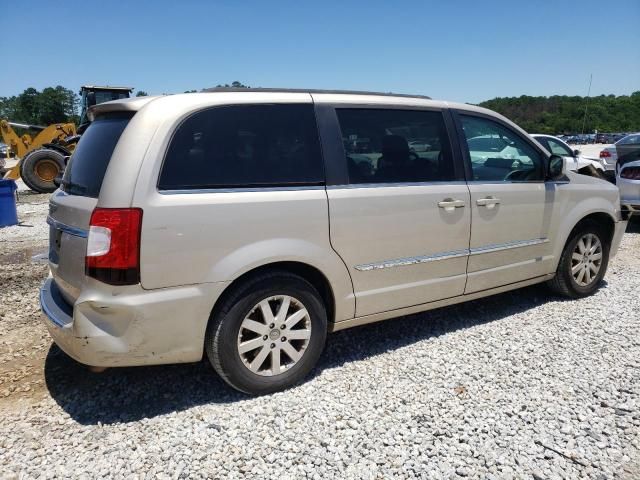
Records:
x=576, y=153
x=57, y=181
x=555, y=167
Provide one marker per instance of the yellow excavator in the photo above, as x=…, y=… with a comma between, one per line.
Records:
x=43, y=157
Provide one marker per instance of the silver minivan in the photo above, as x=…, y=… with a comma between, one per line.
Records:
x=249, y=224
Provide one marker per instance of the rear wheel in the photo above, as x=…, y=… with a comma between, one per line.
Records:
x=40, y=167
x=583, y=263
x=268, y=333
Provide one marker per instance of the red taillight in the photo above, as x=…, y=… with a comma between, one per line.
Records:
x=113, y=245
x=630, y=173
x=605, y=154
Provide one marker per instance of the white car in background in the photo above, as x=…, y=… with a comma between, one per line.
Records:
x=489, y=146
x=573, y=158
x=609, y=155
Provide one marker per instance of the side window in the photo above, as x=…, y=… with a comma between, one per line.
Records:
x=391, y=146
x=558, y=148
x=244, y=146
x=499, y=153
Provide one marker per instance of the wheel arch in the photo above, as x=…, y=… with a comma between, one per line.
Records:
x=304, y=270
x=603, y=218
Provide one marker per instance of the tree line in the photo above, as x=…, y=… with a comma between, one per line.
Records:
x=51, y=105
x=566, y=115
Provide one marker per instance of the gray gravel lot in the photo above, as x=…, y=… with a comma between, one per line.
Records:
x=519, y=385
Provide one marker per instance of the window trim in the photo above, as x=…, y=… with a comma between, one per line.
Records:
x=464, y=148
x=292, y=186
x=336, y=172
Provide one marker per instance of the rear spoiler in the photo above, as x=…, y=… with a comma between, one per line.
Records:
x=123, y=105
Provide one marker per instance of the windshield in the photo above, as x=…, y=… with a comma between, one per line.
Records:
x=88, y=164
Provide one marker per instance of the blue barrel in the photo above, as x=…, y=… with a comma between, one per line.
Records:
x=8, y=210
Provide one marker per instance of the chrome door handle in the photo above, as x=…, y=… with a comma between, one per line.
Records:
x=488, y=202
x=450, y=204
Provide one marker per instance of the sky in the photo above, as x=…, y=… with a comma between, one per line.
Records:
x=461, y=50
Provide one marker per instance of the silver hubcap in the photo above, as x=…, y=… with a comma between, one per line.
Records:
x=586, y=259
x=274, y=335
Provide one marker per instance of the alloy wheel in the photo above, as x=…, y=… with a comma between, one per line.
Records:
x=586, y=259
x=274, y=335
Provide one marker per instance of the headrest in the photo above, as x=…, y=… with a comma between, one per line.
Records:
x=394, y=146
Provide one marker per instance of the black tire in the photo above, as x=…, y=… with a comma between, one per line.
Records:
x=564, y=282
x=39, y=167
x=221, y=342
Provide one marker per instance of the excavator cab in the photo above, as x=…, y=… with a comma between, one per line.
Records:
x=91, y=95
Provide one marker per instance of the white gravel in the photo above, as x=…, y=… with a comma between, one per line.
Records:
x=520, y=385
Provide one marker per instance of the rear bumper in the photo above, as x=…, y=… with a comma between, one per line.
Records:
x=131, y=326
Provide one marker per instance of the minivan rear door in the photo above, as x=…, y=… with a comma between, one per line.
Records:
x=70, y=207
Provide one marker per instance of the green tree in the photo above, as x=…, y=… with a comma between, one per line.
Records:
x=27, y=103
x=57, y=105
x=141, y=93
x=52, y=105
x=235, y=84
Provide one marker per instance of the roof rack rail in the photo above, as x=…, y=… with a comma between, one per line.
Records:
x=310, y=90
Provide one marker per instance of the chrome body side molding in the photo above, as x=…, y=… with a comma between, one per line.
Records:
x=497, y=247
x=403, y=262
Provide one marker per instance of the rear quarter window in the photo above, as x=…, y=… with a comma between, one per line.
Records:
x=88, y=165
x=240, y=146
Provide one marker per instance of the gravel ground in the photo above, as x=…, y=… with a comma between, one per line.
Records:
x=519, y=385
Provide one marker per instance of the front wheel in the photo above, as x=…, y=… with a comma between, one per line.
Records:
x=583, y=263
x=268, y=333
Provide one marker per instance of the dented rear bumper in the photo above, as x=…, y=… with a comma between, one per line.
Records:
x=127, y=326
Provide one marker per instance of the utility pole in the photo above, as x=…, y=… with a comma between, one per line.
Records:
x=586, y=104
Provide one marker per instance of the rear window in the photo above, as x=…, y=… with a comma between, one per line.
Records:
x=244, y=146
x=85, y=172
